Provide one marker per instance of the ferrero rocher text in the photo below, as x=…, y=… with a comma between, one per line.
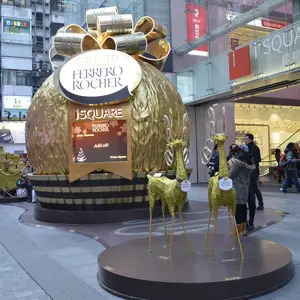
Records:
x=97, y=78
x=98, y=113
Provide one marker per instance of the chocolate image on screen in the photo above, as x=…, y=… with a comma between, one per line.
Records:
x=99, y=141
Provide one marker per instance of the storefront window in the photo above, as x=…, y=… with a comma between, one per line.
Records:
x=273, y=127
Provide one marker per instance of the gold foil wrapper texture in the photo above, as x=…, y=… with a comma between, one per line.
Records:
x=47, y=124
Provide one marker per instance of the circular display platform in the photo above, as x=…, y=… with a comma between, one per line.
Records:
x=129, y=271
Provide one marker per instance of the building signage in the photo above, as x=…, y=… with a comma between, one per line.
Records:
x=99, y=77
x=196, y=24
x=273, y=24
x=277, y=53
x=283, y=44
x=16, y=102
x=16, y=23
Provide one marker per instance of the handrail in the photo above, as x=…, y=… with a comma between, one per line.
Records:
x=282, y=143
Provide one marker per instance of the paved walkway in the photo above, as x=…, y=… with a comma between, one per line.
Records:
x=42, y=263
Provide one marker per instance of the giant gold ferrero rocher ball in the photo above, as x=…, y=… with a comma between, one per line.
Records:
x=47, y=124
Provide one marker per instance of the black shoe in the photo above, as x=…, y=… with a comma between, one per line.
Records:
x=250, y=227
x=260, y=207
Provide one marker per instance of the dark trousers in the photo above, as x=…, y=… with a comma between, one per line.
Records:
x=241, y=213
x=29, y=192
x=254, y=191
x=254, y=187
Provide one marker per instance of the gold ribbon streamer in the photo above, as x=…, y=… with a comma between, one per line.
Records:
x=107, y=29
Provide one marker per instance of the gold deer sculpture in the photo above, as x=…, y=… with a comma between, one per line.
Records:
x=173, y=193
x=220, y=189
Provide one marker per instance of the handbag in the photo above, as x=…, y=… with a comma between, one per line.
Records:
x=21, y=184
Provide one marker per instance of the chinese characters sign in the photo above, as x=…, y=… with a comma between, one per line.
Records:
x=196, y=23
x=16, y=102
x=99, y=141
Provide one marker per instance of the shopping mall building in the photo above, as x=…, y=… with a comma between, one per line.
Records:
x=243, y=54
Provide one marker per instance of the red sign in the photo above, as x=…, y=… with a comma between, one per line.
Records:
x=239, y=63
x=273, y=24
x=196, y=23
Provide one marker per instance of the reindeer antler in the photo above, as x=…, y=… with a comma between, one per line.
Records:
x=185, y=149
x=169, y=153
x=206, y=152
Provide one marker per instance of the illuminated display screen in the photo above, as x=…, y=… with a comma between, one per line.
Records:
x=99, y=141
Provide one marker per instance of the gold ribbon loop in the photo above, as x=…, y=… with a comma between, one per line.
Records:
x=131, y=44
x=73, y=39
x=109, y=30
x=157, y=53
x=152, y=29
x=114, y=25
x=92, y=18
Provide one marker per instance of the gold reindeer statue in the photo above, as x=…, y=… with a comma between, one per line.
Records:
x=220, y=189
x=171, y=192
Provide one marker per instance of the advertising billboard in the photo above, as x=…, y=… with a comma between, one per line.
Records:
x=196, y=25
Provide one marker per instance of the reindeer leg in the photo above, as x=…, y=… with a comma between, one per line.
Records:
x=163, y=205
x=172, y=233
x=207, y=232
x=214, y=238
x=239, y=240
x=185, y=234
x=231, y=228
x=151, y=205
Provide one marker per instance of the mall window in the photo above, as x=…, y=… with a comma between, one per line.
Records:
x=16, y=26
x=16, y=77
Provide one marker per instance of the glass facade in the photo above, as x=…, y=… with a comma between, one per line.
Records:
x=248, y=42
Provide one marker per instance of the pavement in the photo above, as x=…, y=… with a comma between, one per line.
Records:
x=47, y=261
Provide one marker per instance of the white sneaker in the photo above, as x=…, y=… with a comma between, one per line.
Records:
x=281, y=189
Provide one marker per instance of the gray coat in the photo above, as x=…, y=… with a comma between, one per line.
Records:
x=240, y=173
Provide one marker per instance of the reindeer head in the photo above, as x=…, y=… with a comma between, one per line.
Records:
x=180, y=144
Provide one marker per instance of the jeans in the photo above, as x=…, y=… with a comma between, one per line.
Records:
x=290, y=176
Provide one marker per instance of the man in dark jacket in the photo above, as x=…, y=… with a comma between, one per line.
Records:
x=290, y=166
x=254, y=187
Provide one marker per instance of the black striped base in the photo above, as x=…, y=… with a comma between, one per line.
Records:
x=115, y=198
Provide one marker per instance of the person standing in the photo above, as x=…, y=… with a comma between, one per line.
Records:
x=213, y=165
x=290, y=167
x=240, y=172
x=254, y=185
x=279, y=170
x=26, y=172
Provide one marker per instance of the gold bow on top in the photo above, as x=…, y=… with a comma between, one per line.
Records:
x=109, y=30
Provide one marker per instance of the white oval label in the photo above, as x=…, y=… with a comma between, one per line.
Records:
x=185, y=186
x=99, y=77
x=225, y=184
